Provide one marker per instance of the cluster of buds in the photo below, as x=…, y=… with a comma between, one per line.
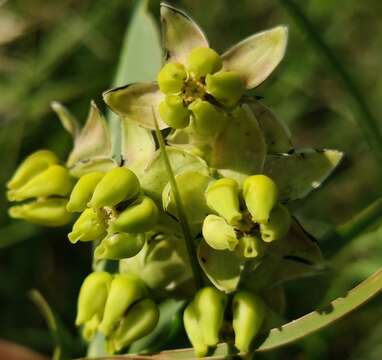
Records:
x=113, y=208
x=118, y=307
x=246, y=221
x=44, y=184
x=198, y=91
x=204, y=318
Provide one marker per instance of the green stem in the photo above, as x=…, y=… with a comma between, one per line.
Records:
x=367, y=122
x=180, y=210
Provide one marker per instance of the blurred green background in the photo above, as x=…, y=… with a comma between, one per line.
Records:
x=68, y=51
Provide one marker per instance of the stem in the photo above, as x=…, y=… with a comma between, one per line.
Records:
x=367, y=122
x=180, y=210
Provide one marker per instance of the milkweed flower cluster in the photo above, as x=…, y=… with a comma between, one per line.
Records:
x=237, y=172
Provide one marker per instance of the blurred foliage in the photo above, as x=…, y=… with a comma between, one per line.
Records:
x=68, y=51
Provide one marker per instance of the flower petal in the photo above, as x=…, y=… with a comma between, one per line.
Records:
x=240, y=149
x=137, y=102
x=102, y=164
x=257, y=56
x=180, y=34
x=68, y=121
x=276, y=134
x=222, y=267
x=297, y=174
x=93, y=139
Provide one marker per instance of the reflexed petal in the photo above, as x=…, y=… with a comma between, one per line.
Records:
x=296, y=175
x=277, y=135
x=68, y=121
x=93, y=139
x=136, y=102
x=257, y=56
x=222, y=267
x=180, y=33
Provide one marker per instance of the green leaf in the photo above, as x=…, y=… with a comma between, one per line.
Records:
x=276, y=134
x=155, y=176
x=222, y=267
x=169, y=325
x=257, y=56
x=298, y=328
x=180, y=34
x=239, y=151
x=297, y=174
x=192, y=186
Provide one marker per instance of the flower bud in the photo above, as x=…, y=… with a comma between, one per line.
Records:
x=31, y=166
x=120, y=246
x=278, y=224
x=218, y=234
x=83, y=191
x=210, y=306
x=47, y=212
x=124, y=291
x=173, y=112
x=171, y=78
x=207, y=119
x=250, y=246
x=138, y=217
x=260, y=195
x=222, y=196
x=202, y=61
x=92, y=296
x=90, y=327
x=191, y=325
x=248, y=315
x=140, y=320
x=117, y=185
x=226, y=87
x=88, y=227
x=55, y=180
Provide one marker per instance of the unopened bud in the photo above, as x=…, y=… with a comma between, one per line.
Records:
x=138, y=217
x=207, y=119
x=120, y=246
x=218, y=234
x=191, y=325
x=55, y=180
x=117, y=185
x=248, y=315
x=173, y=112
x=124, y=291
x=90, y=327
x=171, y=78
x=46, y=212
x=278, y=224
x=210, y=306
x=202, y=61
x=31, y=166
x=260, y=195
x=92, y=296
x=222, y=196
x=88, y=227
x=140, y=320
x=226, y=87
x=83, y=191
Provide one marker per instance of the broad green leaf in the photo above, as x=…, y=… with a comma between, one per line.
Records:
x=93, y=139
x=239, y=151
x=222, y=267
x=155, y=176
x=162, y=264
x=137, y=102
x=297, y=174
x=180, y=34
x=140, y=60
x=192, y=186
x=169, y=325
x=257, y=56
x=68, y=121
x=277, y=135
